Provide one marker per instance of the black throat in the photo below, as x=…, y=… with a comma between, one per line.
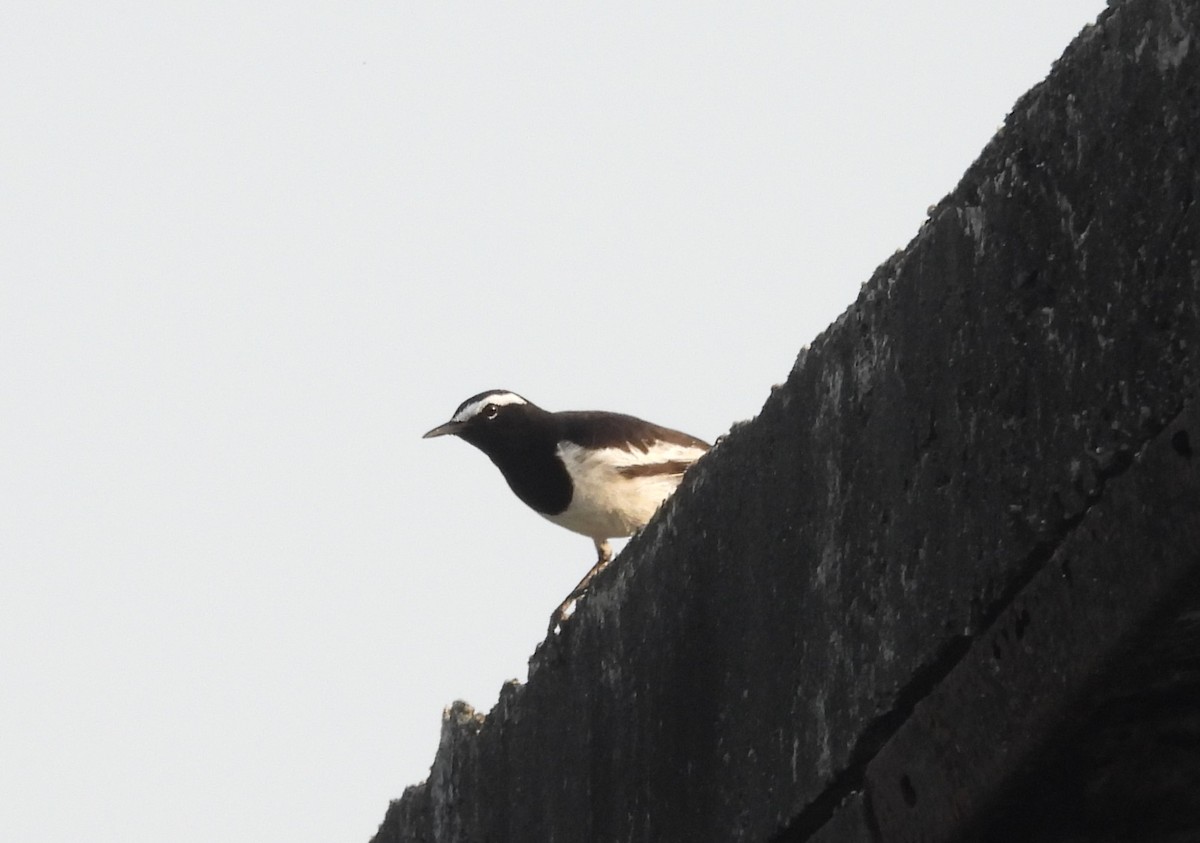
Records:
x=528, y=459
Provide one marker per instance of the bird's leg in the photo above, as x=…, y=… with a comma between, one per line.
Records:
x=603, y=557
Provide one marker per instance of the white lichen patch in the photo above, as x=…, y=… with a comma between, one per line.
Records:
x=1173, y=43
x=974, y=222
x=821, y=724
x=1172, y=53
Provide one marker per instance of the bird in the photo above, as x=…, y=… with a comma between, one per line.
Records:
x=596, y=473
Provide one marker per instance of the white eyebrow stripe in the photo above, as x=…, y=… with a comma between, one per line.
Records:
x=497, y=398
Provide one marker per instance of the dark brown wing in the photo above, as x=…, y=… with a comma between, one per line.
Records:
x=598, y=429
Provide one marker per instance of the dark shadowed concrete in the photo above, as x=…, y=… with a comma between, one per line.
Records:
x=947, y=585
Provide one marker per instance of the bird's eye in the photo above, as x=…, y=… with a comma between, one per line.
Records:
x=490, y=411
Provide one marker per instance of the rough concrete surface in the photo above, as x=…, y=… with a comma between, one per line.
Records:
x=852, y=623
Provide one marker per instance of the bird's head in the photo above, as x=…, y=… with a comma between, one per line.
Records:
x=488, y=419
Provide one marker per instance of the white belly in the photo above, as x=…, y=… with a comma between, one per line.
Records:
x=607, y=503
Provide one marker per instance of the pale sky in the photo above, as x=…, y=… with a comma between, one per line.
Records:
x=251, y=252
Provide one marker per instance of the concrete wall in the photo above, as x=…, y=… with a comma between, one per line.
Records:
x=927, y=577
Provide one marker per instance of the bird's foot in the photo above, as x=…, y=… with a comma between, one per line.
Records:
x=567, y=608
x=561, y=614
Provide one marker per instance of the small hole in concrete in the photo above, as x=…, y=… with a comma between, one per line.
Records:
x=908, y=791
x=1022, y=622
x=1181, y=444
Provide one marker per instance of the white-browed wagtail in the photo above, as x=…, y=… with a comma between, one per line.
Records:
x=596, y=473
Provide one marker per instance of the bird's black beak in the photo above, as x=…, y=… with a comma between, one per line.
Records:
x=448, y=429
